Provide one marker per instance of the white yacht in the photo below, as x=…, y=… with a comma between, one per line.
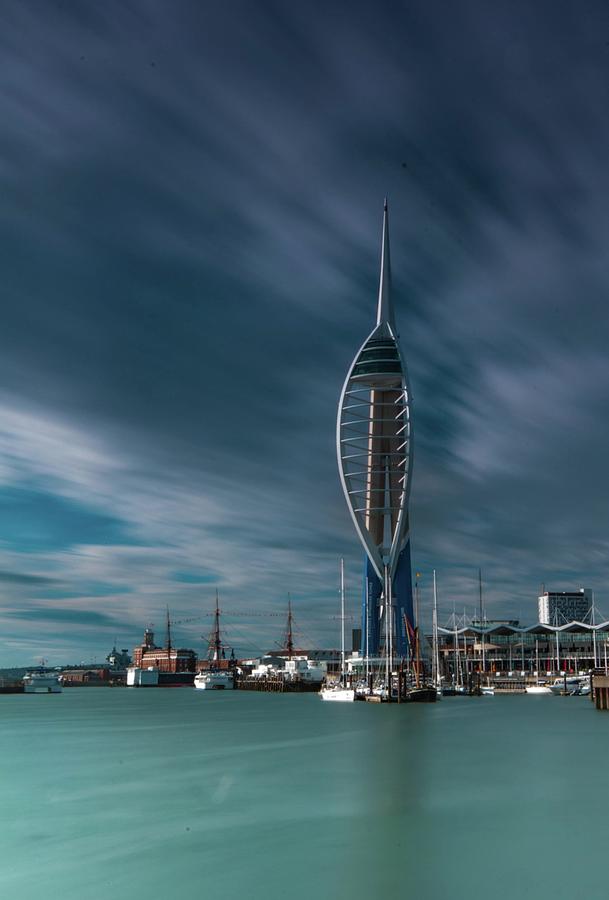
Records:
x=214, y=680
x=42, y=683
x=538, y=689
x=338, y=694
x=571, y=684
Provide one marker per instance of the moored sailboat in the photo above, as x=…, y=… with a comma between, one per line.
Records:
x=340, y=692
x=421, y=691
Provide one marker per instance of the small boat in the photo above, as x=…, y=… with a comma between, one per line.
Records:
x=487, y=690
x=571, y=685
x=214, y=680
x=537, y=689
x=41, y=682
x=338, y=694
x=422, y=694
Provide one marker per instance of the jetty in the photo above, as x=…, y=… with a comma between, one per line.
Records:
x=599, y=693
x=276, y=685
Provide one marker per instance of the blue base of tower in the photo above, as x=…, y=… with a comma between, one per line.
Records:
x=403, y=603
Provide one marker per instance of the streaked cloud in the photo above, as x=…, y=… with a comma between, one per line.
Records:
x=189, y=247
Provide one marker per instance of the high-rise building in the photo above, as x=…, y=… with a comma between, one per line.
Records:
x=374, y=447
x=559, y=607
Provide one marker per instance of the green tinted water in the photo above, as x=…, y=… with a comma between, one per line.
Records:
x=149, y=793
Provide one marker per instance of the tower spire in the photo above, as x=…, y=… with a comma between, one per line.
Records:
x=385, y=306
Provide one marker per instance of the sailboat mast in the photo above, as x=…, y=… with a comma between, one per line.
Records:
x=417, y=658
x=457, y=673
x=482, y=621
x=367, y=631
x=342, y=620
x=434, y=635
x=593, y=617
x=465, y=669
x=387, y=633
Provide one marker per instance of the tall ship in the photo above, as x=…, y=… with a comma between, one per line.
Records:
x=285, y=670
x=217, y=674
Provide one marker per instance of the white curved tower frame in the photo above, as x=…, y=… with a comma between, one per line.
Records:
x=374, y=437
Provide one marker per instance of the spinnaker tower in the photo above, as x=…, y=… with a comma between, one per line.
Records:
x=374, y=448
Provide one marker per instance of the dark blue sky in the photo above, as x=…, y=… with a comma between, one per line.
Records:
x=190, y=224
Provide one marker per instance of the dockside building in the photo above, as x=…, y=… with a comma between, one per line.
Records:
x=501, y=648
x=179, y=664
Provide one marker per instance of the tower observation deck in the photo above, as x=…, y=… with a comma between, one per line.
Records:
x=374, y=448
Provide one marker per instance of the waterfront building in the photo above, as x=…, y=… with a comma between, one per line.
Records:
x=178, y=664
x=502, y=648
x=374, y=448
x=93, y=676
x=558, y=607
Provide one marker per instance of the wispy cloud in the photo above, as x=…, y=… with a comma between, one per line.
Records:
x=190, y=218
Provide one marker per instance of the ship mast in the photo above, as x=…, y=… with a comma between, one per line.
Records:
x=289, y=632
x=436, y=654
x=342, y=621
x=215, y=644
x=168, y=641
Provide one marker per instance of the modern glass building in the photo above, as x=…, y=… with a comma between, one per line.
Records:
x=494, y=648
x=374, y=448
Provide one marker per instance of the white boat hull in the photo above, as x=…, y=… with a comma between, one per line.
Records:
x=36, y=683
x=214, y=681
x=338, y=695
x=137, y=677
x=537, y=689
x=573, y=684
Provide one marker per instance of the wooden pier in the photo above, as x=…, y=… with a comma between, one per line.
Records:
x=277, y=685
x=600, y=691
x=509, y=685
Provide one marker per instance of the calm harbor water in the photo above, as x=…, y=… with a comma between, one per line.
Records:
x=139, y=793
